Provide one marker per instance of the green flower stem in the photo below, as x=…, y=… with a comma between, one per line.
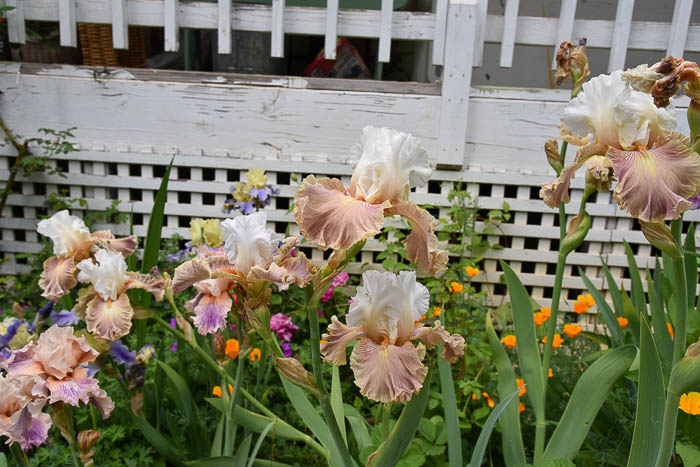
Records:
x=679, y=342
x=71, y=442
x=541, y=421
x=325, y=401
x=236, y=394
x=19, y=455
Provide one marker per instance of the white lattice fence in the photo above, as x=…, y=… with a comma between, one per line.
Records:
x=130, y=124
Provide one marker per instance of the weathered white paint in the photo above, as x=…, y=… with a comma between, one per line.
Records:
x=621, y=35
x=510, y=21
x=565, y=26
x=454, y=108
x=440, y=29
x=277, y=41
x=679, y=27
x=171, y=25
x=331, y=29
x=120, y=25
x=68, y=31
x=387, y=9
x=480, y=26
x=224, y=30
x=15, y=22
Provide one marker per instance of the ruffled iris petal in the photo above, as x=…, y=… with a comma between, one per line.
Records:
x=57, y=278
x=385, y=372
x=210, y=312
x=654, y=184
x=125, y=245
x=109, y=319
x=454, y=343
x=328, y=216
x=421, y=243
x=337, y=340
x=248, y=242
x=152, y=282
x=555, y=192
x=190, y=272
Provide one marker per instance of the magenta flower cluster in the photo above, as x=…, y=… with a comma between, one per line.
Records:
x=283, y=326
x=338, y=281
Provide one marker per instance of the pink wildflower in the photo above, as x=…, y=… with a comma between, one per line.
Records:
x=283, y=326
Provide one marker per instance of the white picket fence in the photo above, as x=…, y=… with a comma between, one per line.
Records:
x=132, y=122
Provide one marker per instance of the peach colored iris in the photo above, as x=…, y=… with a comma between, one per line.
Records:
x=390, y=164
x=386, y=364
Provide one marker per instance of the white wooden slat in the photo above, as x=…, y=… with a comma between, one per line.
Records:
x=456, y=82
x=565, y=27
x=171, y=26
x=120, y=25
x=482, y=7
x=440, y=28
x=224, y=31
x=621, y=35
x=15, y=22
x=385, y=31
x=277, y=44
x=68, y=29
x=510, y=25
x=331, y=29
x=679, y=27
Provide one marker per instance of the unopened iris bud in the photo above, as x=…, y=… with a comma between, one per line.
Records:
x=686, y=373
x=86, y=440
x=551, y=149
x=572, y=61
x=578, y=229
x=186, y=328
x=659, y=235
x=294, y=371
x=600, y=173
x=219, y=346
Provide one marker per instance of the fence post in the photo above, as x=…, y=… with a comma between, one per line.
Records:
x=456, y=82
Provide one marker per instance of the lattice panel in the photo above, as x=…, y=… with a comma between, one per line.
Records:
x=201, y=182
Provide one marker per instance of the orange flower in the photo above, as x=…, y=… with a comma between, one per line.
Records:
x=572, y=330
x=690, y=403
x=323, y=341
x=556, y=342
x=255, y=355
x=583, y=303
x=521, y=407
x=471, y=272
x=422, y=318
x=230, y=388
x=474, y=396
x=509, y=341
x=539, y=319
x=456, y=287
x=521, y=386
x=489, y=401
x=546, y=311
x=670, y=329
x=550, y=373
x=437, y=311
x=622, y=322
x=232, y=348
x=216, y=391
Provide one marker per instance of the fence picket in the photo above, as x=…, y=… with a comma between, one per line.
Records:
x=456, y=82
x=679, y=27
x=510, y=24
x=277, y=41
x=621, y=35
x=440, y=27
x=170, y=24
x=331, y=29
x=15, y=22
x=482, y=7
x=224, y=31
x=565, y=28
x=385, y=31
x=68, y=32
x=120, y=25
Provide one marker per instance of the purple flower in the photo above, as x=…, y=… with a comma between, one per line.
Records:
x=340, y=280
x=696, y=201
x=64, y=318
x=121, y=353
x=92, y=368
x=173, y=322
x=286, y=349
x=177, y=257
x=261, y=194
x=173, y=348
x=46, y=309
x=11, y=331
x=246, y=207
x=283, y=326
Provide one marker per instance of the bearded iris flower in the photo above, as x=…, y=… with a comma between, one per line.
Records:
x=250, y=255
x=387, y=366
x=616, y=125
x=72, y=243
x=391, y=163
x=105, y=306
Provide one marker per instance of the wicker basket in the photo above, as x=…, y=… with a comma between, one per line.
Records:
x=96, y=44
